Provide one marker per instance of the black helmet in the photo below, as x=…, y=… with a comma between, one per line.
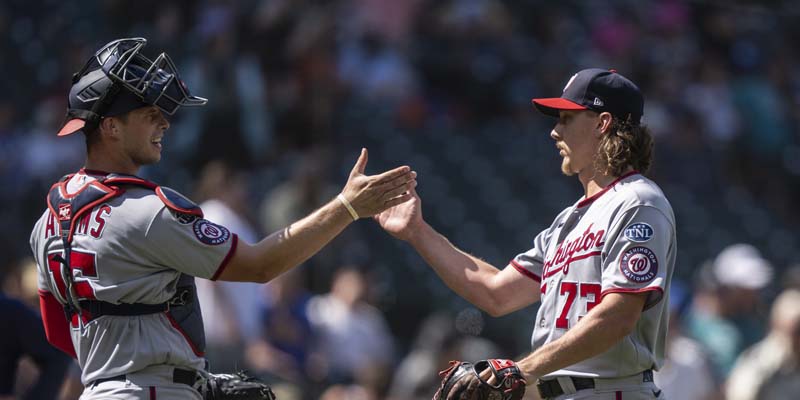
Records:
x=118, y=79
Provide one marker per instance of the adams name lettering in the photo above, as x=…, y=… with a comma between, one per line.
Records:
x=92, y=223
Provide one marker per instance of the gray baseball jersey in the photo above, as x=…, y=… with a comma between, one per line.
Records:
x=130, y=249
x=621, y=240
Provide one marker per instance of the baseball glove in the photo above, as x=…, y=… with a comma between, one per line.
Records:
x=238, y=386
x=462, y=381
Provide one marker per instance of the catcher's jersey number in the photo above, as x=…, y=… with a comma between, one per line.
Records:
x=78, y=260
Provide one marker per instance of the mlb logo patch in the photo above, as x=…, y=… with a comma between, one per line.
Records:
x=639, y=232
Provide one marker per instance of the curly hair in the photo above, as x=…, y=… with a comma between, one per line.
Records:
x=626, y=144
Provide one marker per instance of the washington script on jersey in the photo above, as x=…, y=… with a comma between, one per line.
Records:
x=92, y=223
x=565, y=253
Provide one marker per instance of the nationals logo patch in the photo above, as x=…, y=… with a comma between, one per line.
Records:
x=210, y=233
x=639, y=264
x=639, y=232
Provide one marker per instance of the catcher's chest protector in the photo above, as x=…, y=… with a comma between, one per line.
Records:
x=183, y=309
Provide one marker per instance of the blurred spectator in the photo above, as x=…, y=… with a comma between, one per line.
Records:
x=391, y=20
x=230, y=308
x=347, y=392
x=354, y=338
x=300, y=194
x=437, y=84
x=234, y=75
x=308, y=185
x=728, y=314
x=26, y=338
x=791, y=277
x=771, y=368
x=284, y=347
x=19, y=282
x=712, y=100
x=376, y=71
x=437, y=343
x=686, y=373
x=40, y=140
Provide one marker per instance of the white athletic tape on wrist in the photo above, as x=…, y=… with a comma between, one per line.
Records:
x=348, y=206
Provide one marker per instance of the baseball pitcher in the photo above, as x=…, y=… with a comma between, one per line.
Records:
x=117, y=255
x=601, y=270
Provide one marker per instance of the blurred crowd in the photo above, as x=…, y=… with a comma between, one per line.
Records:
x=297, y=87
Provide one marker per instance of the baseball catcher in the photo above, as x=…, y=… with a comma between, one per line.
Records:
x=463, y=380
x=118, y=255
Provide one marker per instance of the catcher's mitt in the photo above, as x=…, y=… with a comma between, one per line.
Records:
x=462, y=381
x=238, y=386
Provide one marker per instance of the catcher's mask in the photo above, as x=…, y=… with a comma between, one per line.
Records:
x=119, y=79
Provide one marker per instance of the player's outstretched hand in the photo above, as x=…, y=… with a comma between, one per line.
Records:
x=371, y=194
x=401, y=220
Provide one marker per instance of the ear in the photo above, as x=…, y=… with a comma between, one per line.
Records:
x=109, y=127
x=604, y=123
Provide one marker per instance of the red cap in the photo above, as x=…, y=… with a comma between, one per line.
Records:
x=557, y=103
x=72, y=126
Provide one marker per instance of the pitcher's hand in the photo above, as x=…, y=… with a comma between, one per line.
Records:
x=402, y=220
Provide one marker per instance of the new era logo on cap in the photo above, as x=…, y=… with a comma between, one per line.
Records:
x=599, y=90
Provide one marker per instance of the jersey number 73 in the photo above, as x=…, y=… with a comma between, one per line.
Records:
x=571, y=290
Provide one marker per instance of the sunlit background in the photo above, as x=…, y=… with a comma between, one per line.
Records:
x=296, y=88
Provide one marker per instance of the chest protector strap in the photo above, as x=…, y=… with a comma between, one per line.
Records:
x=183, y=308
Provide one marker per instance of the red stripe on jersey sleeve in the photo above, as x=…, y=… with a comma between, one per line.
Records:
x=652, y=299
x=525, y=272
x=227, y=258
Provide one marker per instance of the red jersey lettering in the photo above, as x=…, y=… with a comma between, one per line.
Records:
x=100, y=219
x=83, y=225
x=50, y=229
x=93, y=223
